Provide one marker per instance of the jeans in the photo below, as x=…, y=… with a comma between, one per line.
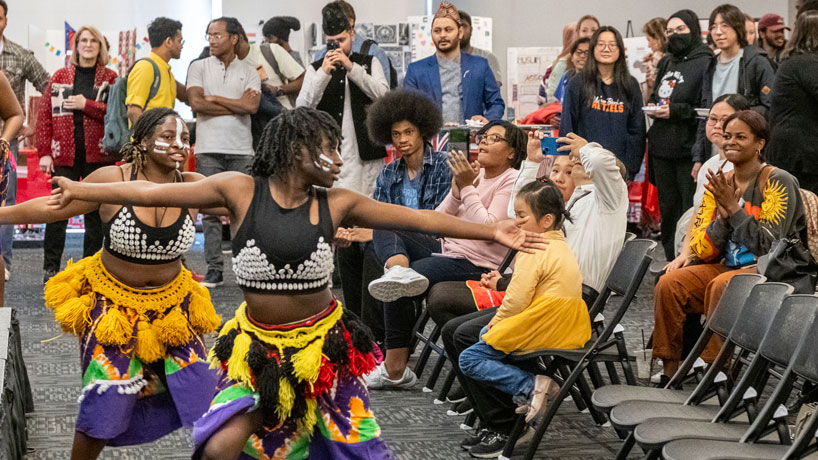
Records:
x=7, y=231
x=54, y=242
x=399, y=316
x=357, y=266
x=209, y=164
x=483, y=363
x=413, y=245
x=494, y=408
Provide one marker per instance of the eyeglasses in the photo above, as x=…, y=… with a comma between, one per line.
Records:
x=714, y=121
x=682, y=29
x=611, y=46
x=216, y=36
x=581, y=53
x=490, y=139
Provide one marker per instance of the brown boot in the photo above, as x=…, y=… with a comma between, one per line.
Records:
x=545, y=391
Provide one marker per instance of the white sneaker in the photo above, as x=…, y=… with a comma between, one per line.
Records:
x=379, y=379
x=8, y=274
x=656, y=378
x=398, y=282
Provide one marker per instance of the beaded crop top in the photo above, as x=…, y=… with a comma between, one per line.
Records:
x=278, y=250
x=129, y=239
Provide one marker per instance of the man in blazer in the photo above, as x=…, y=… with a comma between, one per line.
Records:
x=461, y=84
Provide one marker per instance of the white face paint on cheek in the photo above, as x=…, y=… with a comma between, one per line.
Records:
x=161, y=147
x=321, y=166
x=325, y=158
x=179, y=133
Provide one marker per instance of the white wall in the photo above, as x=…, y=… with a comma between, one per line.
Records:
x=112, y=15
x=250, y=12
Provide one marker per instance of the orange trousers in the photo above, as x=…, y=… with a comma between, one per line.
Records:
x=693, y=289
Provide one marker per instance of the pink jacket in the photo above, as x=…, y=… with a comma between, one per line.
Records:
x=485, y=204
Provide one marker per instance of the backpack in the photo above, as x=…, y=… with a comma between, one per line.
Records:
x=269, y=107
x=393, y=74
x=810, y=210
x=117, y=131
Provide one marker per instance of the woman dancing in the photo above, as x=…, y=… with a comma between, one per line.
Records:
x=139, y=315
x=291, y=359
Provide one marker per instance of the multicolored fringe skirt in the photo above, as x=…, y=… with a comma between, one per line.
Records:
x=143, y=358
x=306, y=377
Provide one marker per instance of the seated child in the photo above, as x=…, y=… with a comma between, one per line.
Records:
x=543, y=307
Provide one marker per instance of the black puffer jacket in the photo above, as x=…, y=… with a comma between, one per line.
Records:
x=681, y=80
x=755, y=82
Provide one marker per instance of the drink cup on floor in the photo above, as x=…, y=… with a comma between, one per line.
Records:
x=643, y=363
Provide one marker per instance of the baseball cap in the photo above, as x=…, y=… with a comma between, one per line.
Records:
x=771, y=22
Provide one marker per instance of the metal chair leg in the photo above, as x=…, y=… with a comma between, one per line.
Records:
x=447, y=386
x=427, y=349
x=432, y=380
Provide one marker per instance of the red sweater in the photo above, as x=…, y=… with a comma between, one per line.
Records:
x=55, y=134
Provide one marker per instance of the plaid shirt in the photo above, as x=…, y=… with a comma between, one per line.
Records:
x=435, y=181
x=19, y=65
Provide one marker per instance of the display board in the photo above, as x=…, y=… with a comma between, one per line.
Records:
x=526, y=68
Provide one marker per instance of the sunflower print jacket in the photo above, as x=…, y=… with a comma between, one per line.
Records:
x=769, y=211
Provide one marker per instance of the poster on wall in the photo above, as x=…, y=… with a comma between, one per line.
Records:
x=526, y=67
x=636, y=54
x=481, y=33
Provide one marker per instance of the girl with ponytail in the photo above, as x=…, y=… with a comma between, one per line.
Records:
x=543, y=306
x=138, y=313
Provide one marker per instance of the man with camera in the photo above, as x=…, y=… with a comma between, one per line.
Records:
x=344, y=84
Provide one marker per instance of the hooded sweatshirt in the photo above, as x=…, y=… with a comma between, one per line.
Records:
x=679, y=79
x=755, y=82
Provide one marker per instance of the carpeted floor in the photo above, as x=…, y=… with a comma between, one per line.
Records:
x=412, y=426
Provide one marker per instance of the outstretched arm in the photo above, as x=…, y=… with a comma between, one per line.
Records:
x=359, y=210
x=208, y=193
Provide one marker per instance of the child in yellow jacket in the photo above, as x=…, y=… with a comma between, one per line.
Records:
x=543, y=307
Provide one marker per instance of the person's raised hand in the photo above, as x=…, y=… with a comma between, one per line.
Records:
x=330, y=61
x=534, y=146
x=572, y=143
x=342, y=59
x=724, y=191
x=463, y=172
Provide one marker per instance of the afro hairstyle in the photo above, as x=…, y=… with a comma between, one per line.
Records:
x=400, y=105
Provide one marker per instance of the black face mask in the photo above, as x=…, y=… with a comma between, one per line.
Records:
x=678, y=44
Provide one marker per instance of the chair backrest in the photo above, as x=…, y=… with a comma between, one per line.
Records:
x=625, y=278
x=806, y=362
x=731, y=302
x=628, y=264
x=796, y=314
x=755, y=318
x=629, y=237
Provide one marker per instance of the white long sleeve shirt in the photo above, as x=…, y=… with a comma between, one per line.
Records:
x=599, y=212
x=356, y=174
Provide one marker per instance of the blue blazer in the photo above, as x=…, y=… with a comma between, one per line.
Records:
x=480, y=94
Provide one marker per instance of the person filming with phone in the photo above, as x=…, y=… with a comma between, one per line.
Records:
x=344, y=83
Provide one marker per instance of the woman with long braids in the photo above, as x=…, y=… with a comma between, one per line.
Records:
x=291, y=360
x=139, y=315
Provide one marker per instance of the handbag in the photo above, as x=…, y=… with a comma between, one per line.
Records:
x=789, y=261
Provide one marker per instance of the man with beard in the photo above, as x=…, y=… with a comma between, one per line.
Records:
x=465, y=45
x=462, y=85
x=771, y=36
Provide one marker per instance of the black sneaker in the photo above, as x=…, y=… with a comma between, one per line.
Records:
x=461, y=408
x=491, y=446
x=474, y=438
x=213, y=279
x=48, y=274
x=455, y=396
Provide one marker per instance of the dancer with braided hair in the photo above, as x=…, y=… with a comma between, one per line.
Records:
x=139, y=315
x=291, y=359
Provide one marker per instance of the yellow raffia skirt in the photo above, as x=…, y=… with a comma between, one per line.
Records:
x=154, y=317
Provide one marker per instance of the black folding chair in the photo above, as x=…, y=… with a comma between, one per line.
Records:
x=769, y=327
x=658, y=433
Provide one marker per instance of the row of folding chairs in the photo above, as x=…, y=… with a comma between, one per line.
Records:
x=731, y=412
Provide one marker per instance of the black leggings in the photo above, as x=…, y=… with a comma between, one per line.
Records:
x=448, y=300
